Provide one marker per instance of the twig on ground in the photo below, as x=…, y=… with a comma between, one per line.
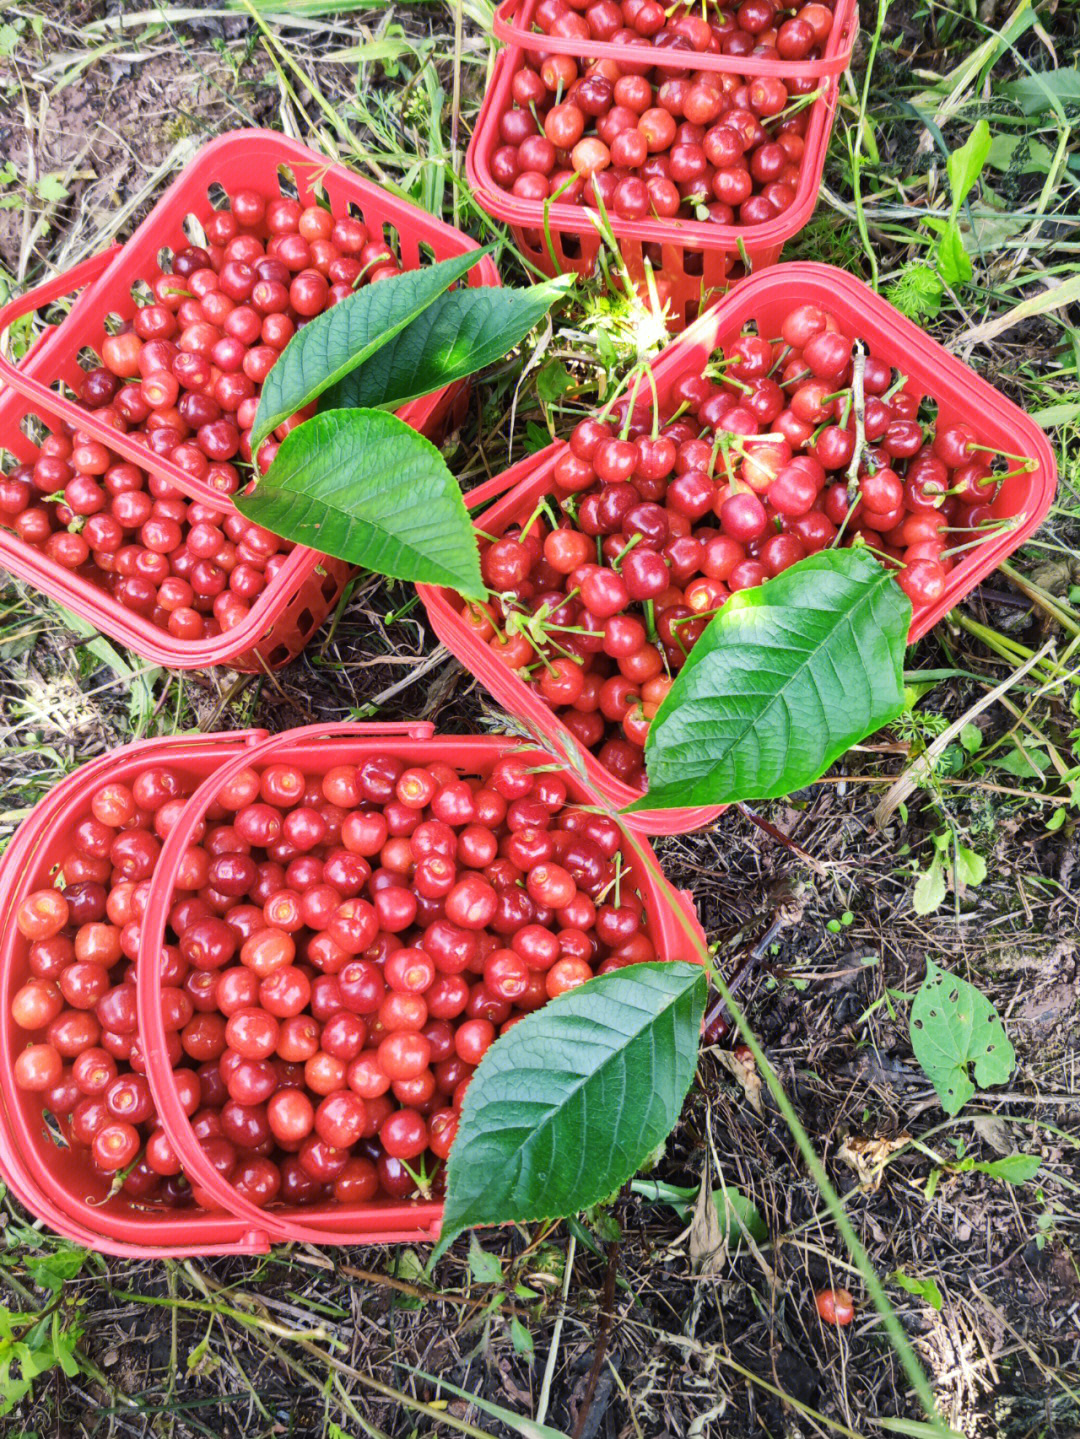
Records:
x=607, y=1315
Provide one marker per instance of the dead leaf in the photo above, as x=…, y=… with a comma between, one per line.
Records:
x=700, y=1427
x=995, y=1132
x=708, y=1241
x=745, y=1073
x=867, y=1157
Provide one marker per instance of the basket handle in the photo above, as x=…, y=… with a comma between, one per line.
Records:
x=63, y=284
x=158, y=1068
x=341, y=729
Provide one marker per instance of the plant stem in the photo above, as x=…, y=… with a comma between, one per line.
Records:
x=606, y=1317
x=858, y=392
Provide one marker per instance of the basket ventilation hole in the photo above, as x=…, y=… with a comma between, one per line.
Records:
x=571, y=247
x=88, y=359
x=393, y=239
x=217, y=195
x=306, y=620
x=193, y=229
x=692, y=308
x=8, y=461
x=165, y=259
x=353, y=209
x=694, y=262
x=33, y=428
x=329, y=588
x=52, y=1127
x=287, y=182
x=141, y=293
x=278, y=655
x=114, y=323
x=320, y=197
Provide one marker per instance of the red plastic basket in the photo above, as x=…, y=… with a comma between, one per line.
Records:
x=297, y=601
x=283, y=618
x=961, y=395
x=57, y=1183
x=698, y=261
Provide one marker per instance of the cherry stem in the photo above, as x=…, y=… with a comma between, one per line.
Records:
x=542, y=508
x=613, y=884
x=650, y=620
x=981, y=539
x=422, y=1180
x=699, y=615
x=638, y=377
x=894, y=389
x=781, y=357
x=858, y=375
x=1025, y=460
x=626, y=550
x=806, y=374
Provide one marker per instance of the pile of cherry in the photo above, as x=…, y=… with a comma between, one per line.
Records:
x=654, y=526
x=341, y=952
x=185, y=376
x=662, y=140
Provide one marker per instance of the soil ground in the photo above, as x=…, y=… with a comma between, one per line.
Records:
x=93, y=117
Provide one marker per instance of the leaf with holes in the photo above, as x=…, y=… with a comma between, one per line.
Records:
x=344, y=336
x=955, y=1029
x=567, y=1104
x=785, y=679
x=365, y=487
x=459, y=333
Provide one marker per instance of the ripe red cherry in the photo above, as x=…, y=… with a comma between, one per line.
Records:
x=835, y=1306
x=404, y=1135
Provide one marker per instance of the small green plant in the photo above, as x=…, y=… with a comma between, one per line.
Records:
x=924, y=1288
x=47, y=189
x=33, y=1344
x=1015, y=1169
x=486, y=1268
x=954, y=866
x=964, y=166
